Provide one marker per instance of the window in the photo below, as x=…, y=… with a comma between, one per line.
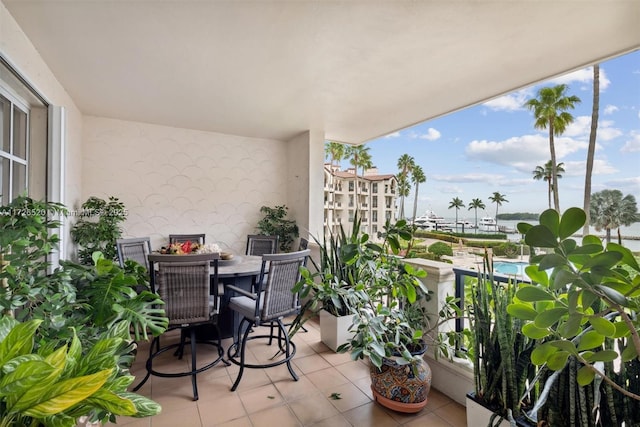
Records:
x=23, y=138
x=351, y=186
x=13, y=149
x=374, y=202
x=374, y=216
x=374, y=188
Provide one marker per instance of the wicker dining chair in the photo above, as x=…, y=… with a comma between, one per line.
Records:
x=181, y=238
x=259, y=244
x=189, y=288
x=136, y=249
x=267, y=306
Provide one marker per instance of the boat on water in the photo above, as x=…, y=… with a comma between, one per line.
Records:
x=465, y=224
x=431, y=222
x=488, y=223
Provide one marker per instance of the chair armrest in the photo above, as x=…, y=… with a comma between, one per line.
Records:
x=241, y=291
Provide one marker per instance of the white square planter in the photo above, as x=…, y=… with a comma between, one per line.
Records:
x=334, y=330
x=479, y=416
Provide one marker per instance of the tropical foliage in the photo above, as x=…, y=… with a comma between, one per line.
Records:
x=546, y=173
x=584, y=304
x=275, y=223
x=498, y=199
x=418, y=177
x=611, y=210
x=98, y=228
x=476, y=204
x=65, y=334
x=550, y=110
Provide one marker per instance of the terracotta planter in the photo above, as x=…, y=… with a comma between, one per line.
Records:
x=403, y=388
x=334, y=330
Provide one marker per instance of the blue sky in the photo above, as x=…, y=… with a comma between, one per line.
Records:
x=494, y=146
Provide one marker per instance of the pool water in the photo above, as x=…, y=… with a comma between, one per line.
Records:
x=510, y=268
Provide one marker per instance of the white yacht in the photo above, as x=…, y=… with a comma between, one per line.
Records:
x=430, y=221
x=488, y=223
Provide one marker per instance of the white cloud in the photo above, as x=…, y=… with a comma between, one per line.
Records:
x=469, y=178
x=578, y=168
x=626, y=185
x=581, y=127
x=610, y=109
x=431, y=135
x=522, y=153
x=633, y=144
x=583, y=76
x=393, y=135
x=511, y=102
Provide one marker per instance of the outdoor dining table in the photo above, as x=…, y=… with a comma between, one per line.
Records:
x=241, y=271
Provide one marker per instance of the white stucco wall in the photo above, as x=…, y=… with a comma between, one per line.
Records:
x=176, y=180
x=16, y=48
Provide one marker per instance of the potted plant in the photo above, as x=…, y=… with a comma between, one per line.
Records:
x=583, y=302
x=275, y=223
x=98, y=228
x=324, y=286
x=499, y=352
x=73, y=315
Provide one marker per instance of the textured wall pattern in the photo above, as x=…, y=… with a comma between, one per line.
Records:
x=183, y=181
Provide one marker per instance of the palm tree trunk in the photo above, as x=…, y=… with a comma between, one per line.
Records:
x=415, y=203
x=592, y=147
x=549, y=192
x=554, y=165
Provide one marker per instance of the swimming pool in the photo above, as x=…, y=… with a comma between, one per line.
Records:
x=510, y=268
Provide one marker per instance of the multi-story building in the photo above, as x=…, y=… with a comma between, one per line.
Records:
x=375, y=199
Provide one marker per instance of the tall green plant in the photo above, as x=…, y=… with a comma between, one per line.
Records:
x=275, y=223
x=583, y=303
x=500, y=354
x=98, y=228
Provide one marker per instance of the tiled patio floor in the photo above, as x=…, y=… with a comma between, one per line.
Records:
x=269, y=397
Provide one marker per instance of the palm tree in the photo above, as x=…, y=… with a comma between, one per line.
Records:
x=497, y=198
x=404, y=187
x=591, y=151
x=610, y=210
x=405, y=163
x=546, y=173
x=334, y=151
x=550, y=112
x=358, y=155
x=476, y=204
x=418, y=177
x=456, y=203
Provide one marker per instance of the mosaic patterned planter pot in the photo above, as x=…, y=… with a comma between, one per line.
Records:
x=403, y=388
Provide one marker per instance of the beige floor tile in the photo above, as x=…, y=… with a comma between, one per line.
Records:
x=335, y=421
x=319, y=346
x=215, y=387
x=280, y=416
x=281, y=373
x=350, y=397
x=188, y=416
x=436, y=400
x=172, y=393
x=369, y=415
x=430, y=419
x=454, y=413
x=336, y=358
x=260, y=398
x=313, y=408
x=220, y=409
x=293, y=390
x=240, y=422
x=310, y=364
x=251, y=378
x=364, y=384
x=354, y=370
x=326, y=379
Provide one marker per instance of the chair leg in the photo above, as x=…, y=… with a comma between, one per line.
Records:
x=242, y=353
x=194, y=366
x=288, y=349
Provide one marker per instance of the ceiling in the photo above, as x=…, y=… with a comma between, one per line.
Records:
x=274, y=69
